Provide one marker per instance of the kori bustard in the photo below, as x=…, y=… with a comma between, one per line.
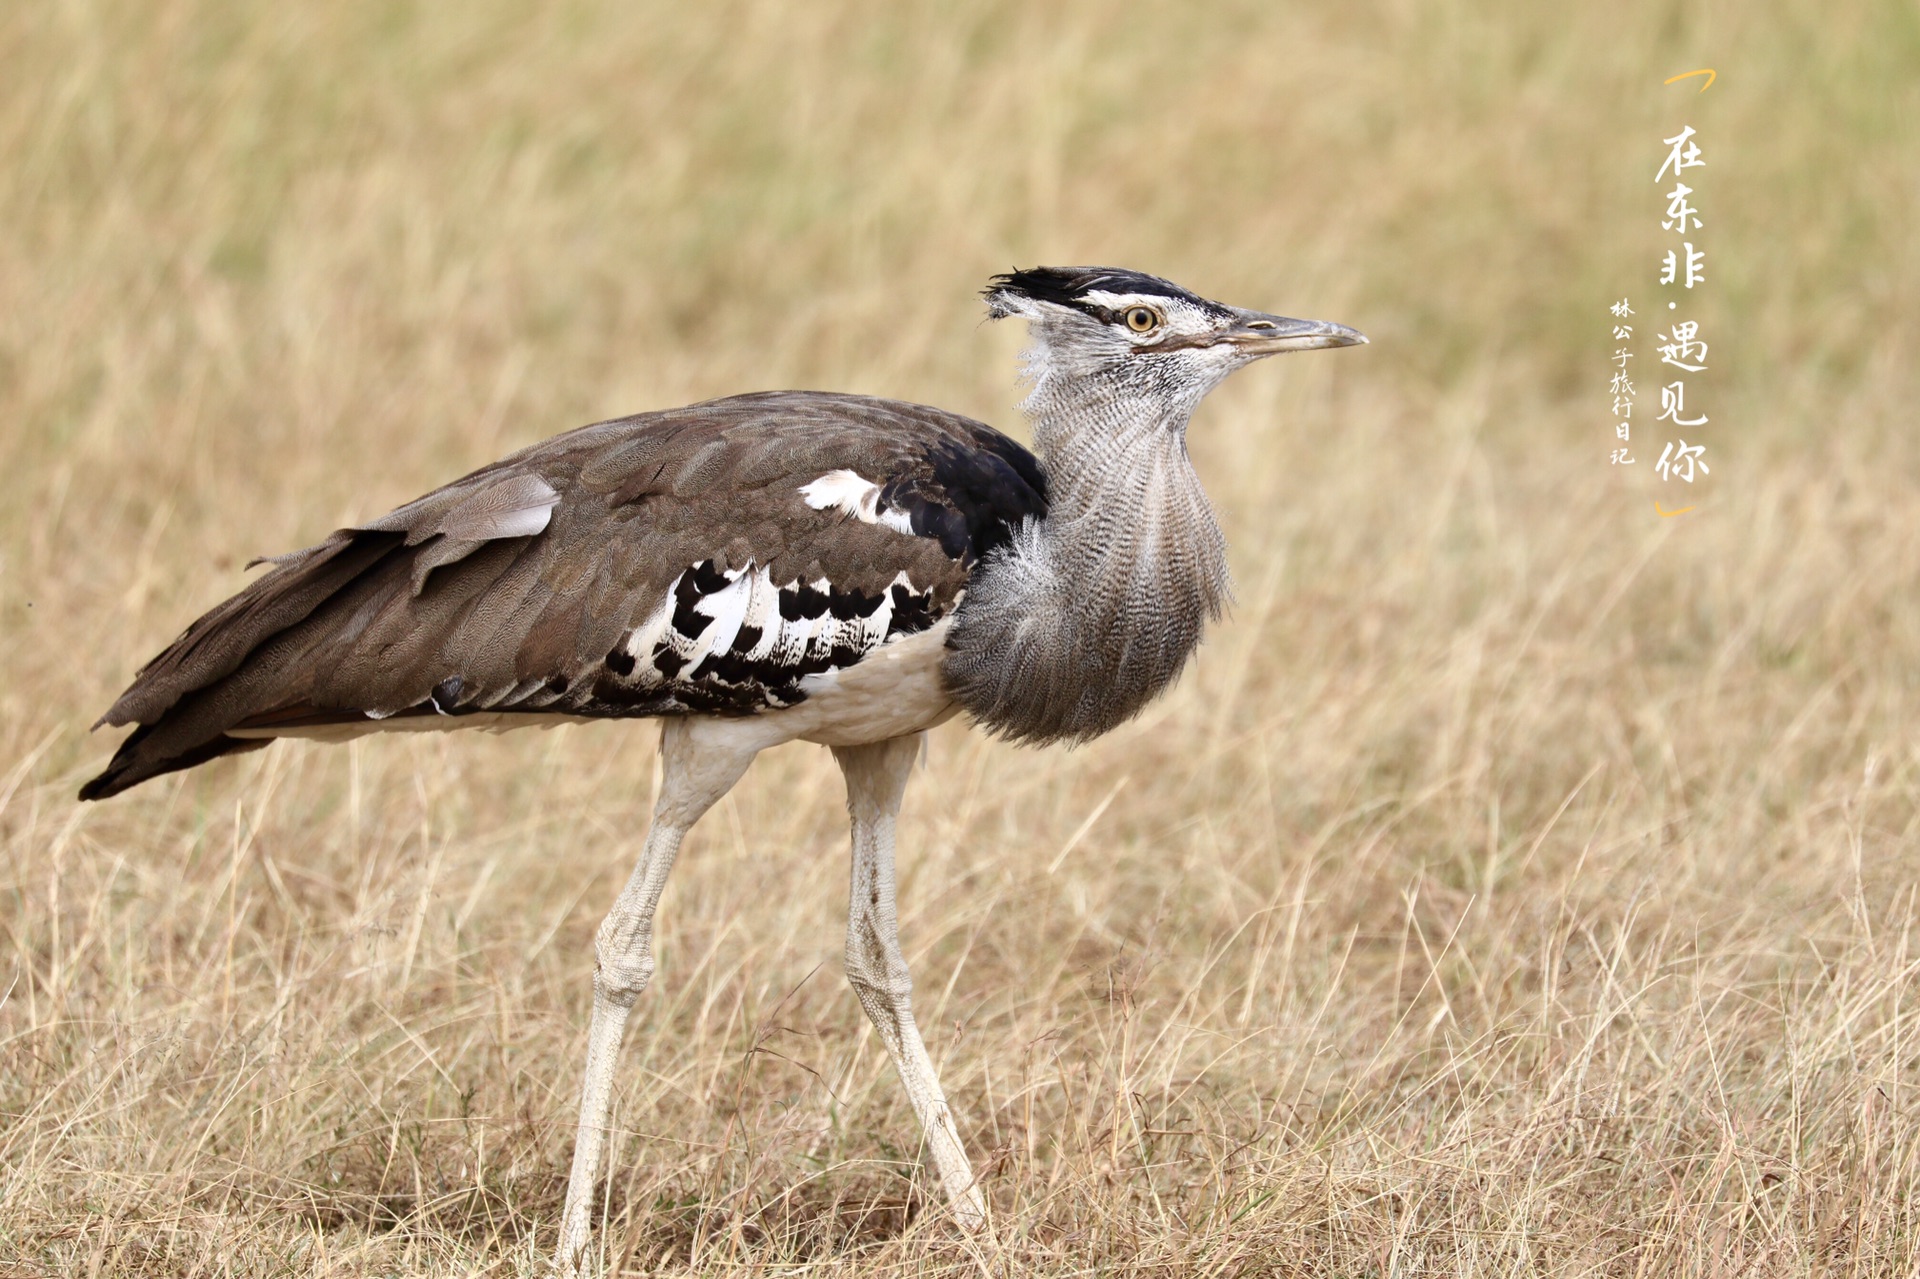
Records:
x=756, y=570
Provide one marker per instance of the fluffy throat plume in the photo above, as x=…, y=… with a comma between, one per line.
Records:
x=1094, y=608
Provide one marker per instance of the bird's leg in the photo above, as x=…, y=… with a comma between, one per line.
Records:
x=695, y=772
x=876, y=778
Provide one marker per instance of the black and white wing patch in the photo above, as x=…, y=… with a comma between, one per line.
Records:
x=734, y=641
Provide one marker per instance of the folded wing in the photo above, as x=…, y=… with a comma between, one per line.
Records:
x=701, y=560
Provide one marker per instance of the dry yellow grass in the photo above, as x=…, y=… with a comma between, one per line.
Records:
x=1521, y=883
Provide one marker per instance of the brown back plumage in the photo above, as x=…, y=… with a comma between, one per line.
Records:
x=529, y=585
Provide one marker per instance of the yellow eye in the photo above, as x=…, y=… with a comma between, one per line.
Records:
x=1142, y=319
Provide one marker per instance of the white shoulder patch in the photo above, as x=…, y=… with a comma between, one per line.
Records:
x=852, y=494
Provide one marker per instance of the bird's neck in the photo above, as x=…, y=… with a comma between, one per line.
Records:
x=1094, y=609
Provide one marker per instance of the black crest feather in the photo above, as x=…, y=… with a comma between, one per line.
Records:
x=1069, y=285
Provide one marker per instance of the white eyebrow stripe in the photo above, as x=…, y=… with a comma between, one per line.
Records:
x=1121, y=301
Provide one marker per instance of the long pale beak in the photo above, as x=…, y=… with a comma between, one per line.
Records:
x=1257, y=333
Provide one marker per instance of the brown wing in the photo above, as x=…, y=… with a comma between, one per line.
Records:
x=705, y=559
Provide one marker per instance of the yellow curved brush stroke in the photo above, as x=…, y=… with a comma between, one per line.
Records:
x=1708, y=72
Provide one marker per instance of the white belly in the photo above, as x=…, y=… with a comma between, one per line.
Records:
x=897, y=690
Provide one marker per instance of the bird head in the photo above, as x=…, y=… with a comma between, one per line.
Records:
x=1148, y=334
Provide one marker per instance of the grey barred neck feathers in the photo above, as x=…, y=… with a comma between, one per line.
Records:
x=1096, y=607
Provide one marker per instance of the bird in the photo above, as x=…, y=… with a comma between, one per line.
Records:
x=759, y=569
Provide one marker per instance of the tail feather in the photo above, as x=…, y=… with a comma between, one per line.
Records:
x=184, y=699
x=220, y=640
x=137, y=761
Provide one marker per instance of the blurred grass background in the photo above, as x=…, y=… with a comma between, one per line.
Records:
x=1520, y=883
